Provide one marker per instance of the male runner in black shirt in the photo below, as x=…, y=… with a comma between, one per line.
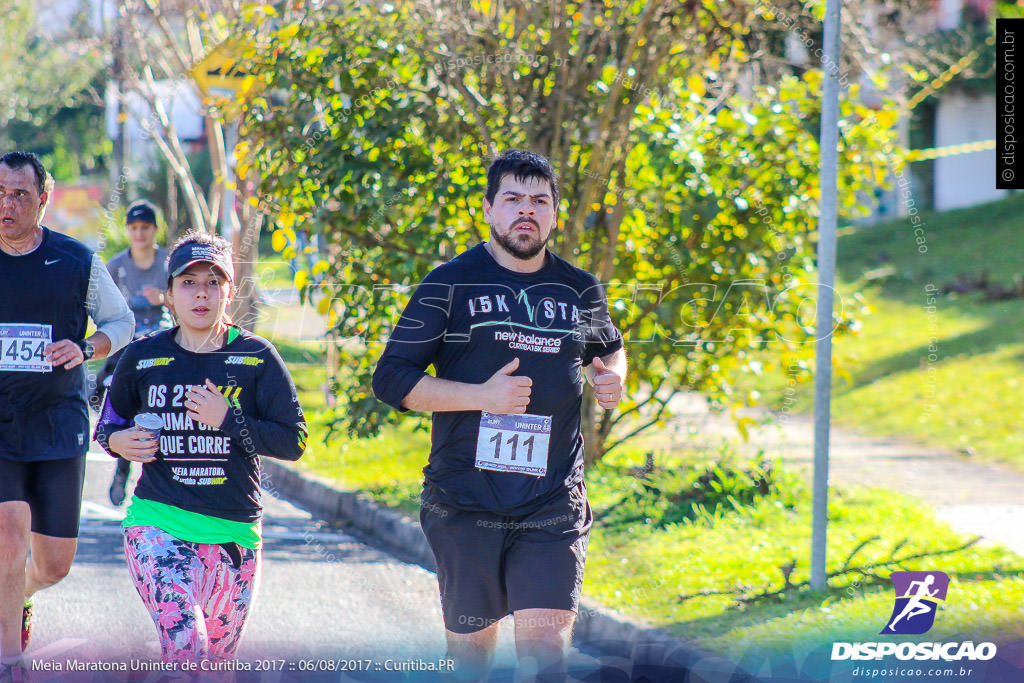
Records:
x=511, y=330
x=51, y=283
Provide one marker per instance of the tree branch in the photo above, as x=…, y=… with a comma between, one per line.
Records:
x=864, y=570
x=653, y=421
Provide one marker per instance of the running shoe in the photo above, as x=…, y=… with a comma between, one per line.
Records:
x=117, y=487
x=26, y=624
x=13, y=673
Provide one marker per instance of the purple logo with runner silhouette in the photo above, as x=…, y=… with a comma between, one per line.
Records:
x=917, y=600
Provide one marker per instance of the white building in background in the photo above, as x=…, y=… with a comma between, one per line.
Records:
x=959, y=180
x=180, y=101
x=965, y=179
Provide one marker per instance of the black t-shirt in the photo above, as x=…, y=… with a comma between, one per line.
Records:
x=213, y=472
x=469, y=318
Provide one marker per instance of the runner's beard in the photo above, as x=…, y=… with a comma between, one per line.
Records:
x=524, y=247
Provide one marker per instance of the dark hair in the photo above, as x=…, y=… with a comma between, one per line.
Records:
x=16, y=160
x=522, y=166
x=198, y=238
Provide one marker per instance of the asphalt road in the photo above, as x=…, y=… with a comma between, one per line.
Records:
x=326, y=601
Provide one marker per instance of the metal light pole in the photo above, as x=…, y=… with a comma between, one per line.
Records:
x=828, y=183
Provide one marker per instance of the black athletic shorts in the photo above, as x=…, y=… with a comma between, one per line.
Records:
x=52, y=489
x=489, y=565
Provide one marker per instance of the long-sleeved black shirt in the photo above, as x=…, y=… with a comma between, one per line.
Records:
x=198, y=468
x=469, y=318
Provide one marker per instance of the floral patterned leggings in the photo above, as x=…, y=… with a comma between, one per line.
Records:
x=198, y=599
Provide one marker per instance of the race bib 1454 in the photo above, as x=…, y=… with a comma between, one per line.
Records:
x=21, y=347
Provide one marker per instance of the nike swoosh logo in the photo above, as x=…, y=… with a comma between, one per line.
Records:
x=50, y=263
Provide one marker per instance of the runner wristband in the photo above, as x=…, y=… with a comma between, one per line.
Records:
x=88, y=350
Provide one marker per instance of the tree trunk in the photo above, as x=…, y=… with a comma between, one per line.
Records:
x=172, y=208
x=244, y=308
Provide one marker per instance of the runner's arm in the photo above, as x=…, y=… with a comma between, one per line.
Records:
x=601, y=337
x=279, y=430
x=121, y=403
x=444, y=395
x=115, y=322
x=412, y=348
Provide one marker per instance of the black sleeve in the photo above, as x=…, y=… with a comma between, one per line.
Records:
x=122, y=402
x=601, y=337
x=414, y=342
x=279, y=428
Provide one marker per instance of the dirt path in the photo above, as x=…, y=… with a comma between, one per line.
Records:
x=973, y=496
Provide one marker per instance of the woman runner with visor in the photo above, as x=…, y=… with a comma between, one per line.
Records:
x=224, y=396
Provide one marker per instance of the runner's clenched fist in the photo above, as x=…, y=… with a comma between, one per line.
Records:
x=607, y=385
x=506, y=393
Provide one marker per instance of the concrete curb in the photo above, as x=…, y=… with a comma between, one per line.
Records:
x=625, y=643
x=319, y=496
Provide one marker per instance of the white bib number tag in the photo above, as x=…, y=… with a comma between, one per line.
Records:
x=513, y=443
x=21, y=347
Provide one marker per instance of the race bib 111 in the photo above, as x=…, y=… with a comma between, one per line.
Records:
x=514, y=443
x=21, y=347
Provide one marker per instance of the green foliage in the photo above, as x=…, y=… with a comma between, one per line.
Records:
x=718, y=577
x=660, y=496
x=1009, y=9
x=696, y=204
x=72, y=148
x=49, y=80
x=937, y=55
x=42, y=72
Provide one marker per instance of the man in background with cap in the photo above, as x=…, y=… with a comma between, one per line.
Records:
x=52, y=284
x=140, y=272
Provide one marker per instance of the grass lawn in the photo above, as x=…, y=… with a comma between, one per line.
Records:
x=396, y=457
x=667, y=566
x=965, y=395
x=665, y=543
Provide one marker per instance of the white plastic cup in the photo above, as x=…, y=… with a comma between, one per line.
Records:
x=152, y=423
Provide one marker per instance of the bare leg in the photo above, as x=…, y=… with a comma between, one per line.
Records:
x=15, y=522
x=472, y=652
x=542, y=642
x=51, y=562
